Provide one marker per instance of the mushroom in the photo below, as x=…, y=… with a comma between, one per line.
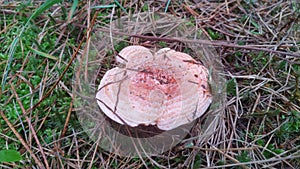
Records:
x=167, y=88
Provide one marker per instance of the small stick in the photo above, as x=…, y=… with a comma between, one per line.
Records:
x=63, y=73
x=21, y=140
x=204, y=42
x=63, y=133
x=30, y=126
x=216, y=43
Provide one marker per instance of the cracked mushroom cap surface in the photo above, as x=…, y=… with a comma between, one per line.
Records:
x=166, y=88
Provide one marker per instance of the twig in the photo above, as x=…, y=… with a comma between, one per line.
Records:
x=65, y=70
x=63, y=133
x=30, y=125
x=257, y=162
x=204, y=42
x=231, y=158
x=21, y=140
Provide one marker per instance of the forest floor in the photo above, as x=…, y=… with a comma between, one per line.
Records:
x=257, y=46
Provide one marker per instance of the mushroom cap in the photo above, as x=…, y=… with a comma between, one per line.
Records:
x=167, y=89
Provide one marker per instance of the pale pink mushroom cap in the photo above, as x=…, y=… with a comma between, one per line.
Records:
x=167, y=89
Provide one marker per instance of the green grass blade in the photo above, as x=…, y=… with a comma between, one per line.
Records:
x=44, y=54
x=118, y=3
x=73, y=8
x=103, y=6
x=167, y=6
x=10, y=58
x=41, y=9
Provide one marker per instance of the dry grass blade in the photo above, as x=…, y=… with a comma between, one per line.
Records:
x=39, y=163
x=208, y=42
x=63, y=133
x=256, y=44
x=62, y=75
x=30, y=126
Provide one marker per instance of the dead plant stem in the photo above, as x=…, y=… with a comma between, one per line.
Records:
x=23, y=142
x=30, y=125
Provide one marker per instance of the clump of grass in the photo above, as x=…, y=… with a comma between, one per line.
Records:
x=30, y=52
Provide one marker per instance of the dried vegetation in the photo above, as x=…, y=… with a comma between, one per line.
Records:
x=257, y=41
